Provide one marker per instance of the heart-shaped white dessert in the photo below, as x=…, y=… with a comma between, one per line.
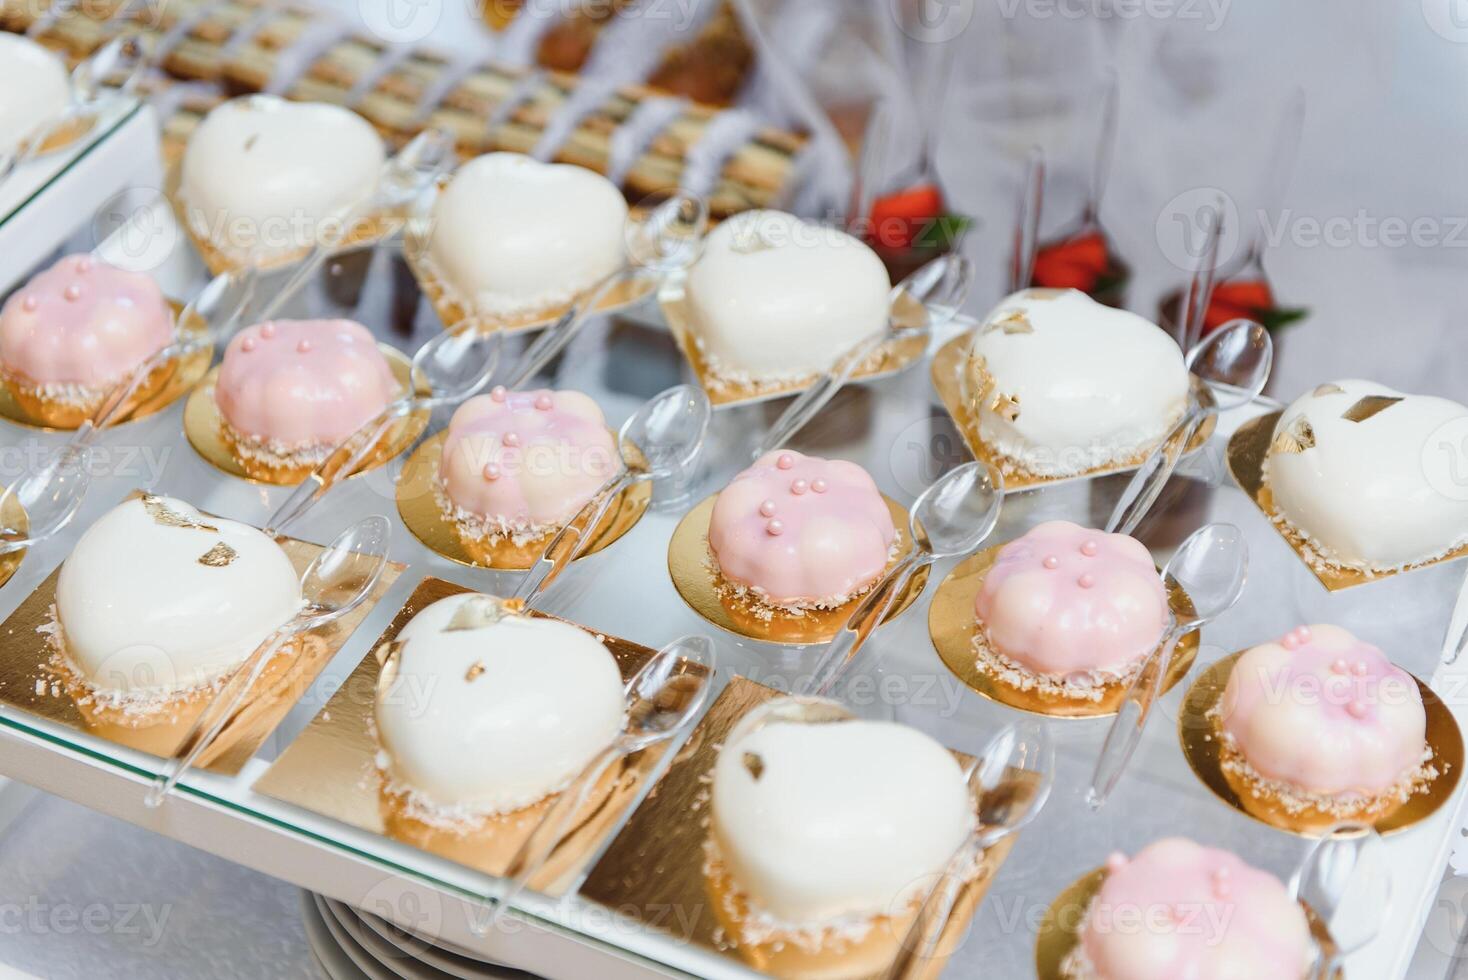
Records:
x=1063, y=385
x=1352, y=468
x=490, y=712
x=34, y=89
x=777, y=299
x=819, y=823
x=512, y=235
x=261, y=174
x=158, y=599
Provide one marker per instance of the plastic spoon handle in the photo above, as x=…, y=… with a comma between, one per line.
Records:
x=340, y=464
x=927, y=929
x=814, y=398
x=1146, y=484
x=1125, y=733
x=1457, y=635
x=867, y=616
x=572, y=540
x=554, y=338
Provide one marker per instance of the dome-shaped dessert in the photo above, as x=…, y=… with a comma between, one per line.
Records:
x=800, y=531
x=34, y=89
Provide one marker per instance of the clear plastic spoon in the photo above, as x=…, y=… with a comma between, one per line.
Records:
x=452, y=367
x=1027, y=221
x=923, y=302
x=664, y=241
x=1346, y=880
x=1234, y=362
x=950, y=518
x=49, y=498
x=1210, y=567
x=1011, y=780
x=662, y=441
x=664, y=699
x=338, y=580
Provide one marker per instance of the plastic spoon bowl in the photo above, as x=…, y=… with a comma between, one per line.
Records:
x=1210, y=567
x=664, y=698
x=338, y=580
x=661, y=441
x=950, y=518
x=1346, y=880
x=931, y=294
x=1234, y=362
x=49, y=498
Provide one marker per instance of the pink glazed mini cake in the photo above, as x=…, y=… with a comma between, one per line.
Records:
x=1321, y=721
x=1066, y=610
x=518, y=465
x=1179, y=910
x=77, y=330
x=800, y=532
x=289, y=391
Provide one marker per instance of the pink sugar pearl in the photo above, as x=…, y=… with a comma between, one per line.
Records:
x=1051, y=562
x=30, y=303
x=498, y=393
x=544, y=403
x=1359, y=668
x=785, y=461
x=1089, y=549
x=1086, y=581
x=1356, y=710
x=267, y=330
x=247, y=345
x=491, y=471
x=767, y=509
x=72, y=293
x=799, y=487
x=1339, y=666
x=83, y=265
x=818, y=485
x=511, y=439
x=775, y=528
x=304, y=347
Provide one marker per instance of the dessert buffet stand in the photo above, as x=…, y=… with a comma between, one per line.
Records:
x=896, y=429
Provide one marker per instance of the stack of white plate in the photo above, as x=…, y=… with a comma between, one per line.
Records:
x=352, y=945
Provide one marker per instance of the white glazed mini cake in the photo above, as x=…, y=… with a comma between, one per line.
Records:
x=1062, y=385
x=511, y=235
x=1353, y=468
x=158, y=599
x=829, y=825
x=34, y=89
x=774, y=299
x=264, y=174
x=489, y=713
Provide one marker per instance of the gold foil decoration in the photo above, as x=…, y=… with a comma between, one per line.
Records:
x=658, y=862
x=15, y=524
x=954, y=629
x=1327, y=389
x=1368, y=406
x=219, y=556
x=165, y=516
x=1247, y=450
x=32, y=682
x=331, y=769
x=204, y=427
x=1208, y=754
x=1296, y=437
x=472, y=674
x=483, y=611
x=1006, y=407
x=1060, y=928
x=694, y=575
x=1014, y=322
x=952, y=382
x=889, y=359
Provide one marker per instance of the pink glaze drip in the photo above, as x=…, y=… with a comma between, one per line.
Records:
x=303, y=383
x=1179, y=911
x=1064, y=599
x=547, y=460
x=822, y=546
x=1326, y=713
x=83, y=322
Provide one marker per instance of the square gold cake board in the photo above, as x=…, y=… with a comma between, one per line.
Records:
x=331, y=770
x=657, y=865
x=28, y=683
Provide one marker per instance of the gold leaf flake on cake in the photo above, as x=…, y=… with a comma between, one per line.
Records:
x=748, y=241
x=1368, y=406
x=1296, y=437
x=1327, y=389
x=165, y=516
x=1006, y=407
x=755, y=764
x=480, y=611
x=218, y=556
x=475, y=669
x=1013, y=322
x=979, y=377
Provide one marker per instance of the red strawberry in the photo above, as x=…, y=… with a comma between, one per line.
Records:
x=898, y=218
x=1075, y=263
x=1243, y=299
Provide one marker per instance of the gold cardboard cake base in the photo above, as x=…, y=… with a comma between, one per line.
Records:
x=13, y=519
x=1204, y=748
x=331, y=770
x=1246, y=452
x=1060, y=929
x=204, y=426
x=954, y=629
x=31, y=680
x=418, y=504
x=707, y=593
x=164, y=387
x=723, y=393
x=656, y=872
x=947, y=376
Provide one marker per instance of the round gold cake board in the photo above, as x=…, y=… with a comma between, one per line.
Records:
x=699, y=583
x=1205, y=751
x=1060, y=929
x=953, y=628
x=170, y=383
x=13, y=519
x=419, y=506
x=205, y=429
